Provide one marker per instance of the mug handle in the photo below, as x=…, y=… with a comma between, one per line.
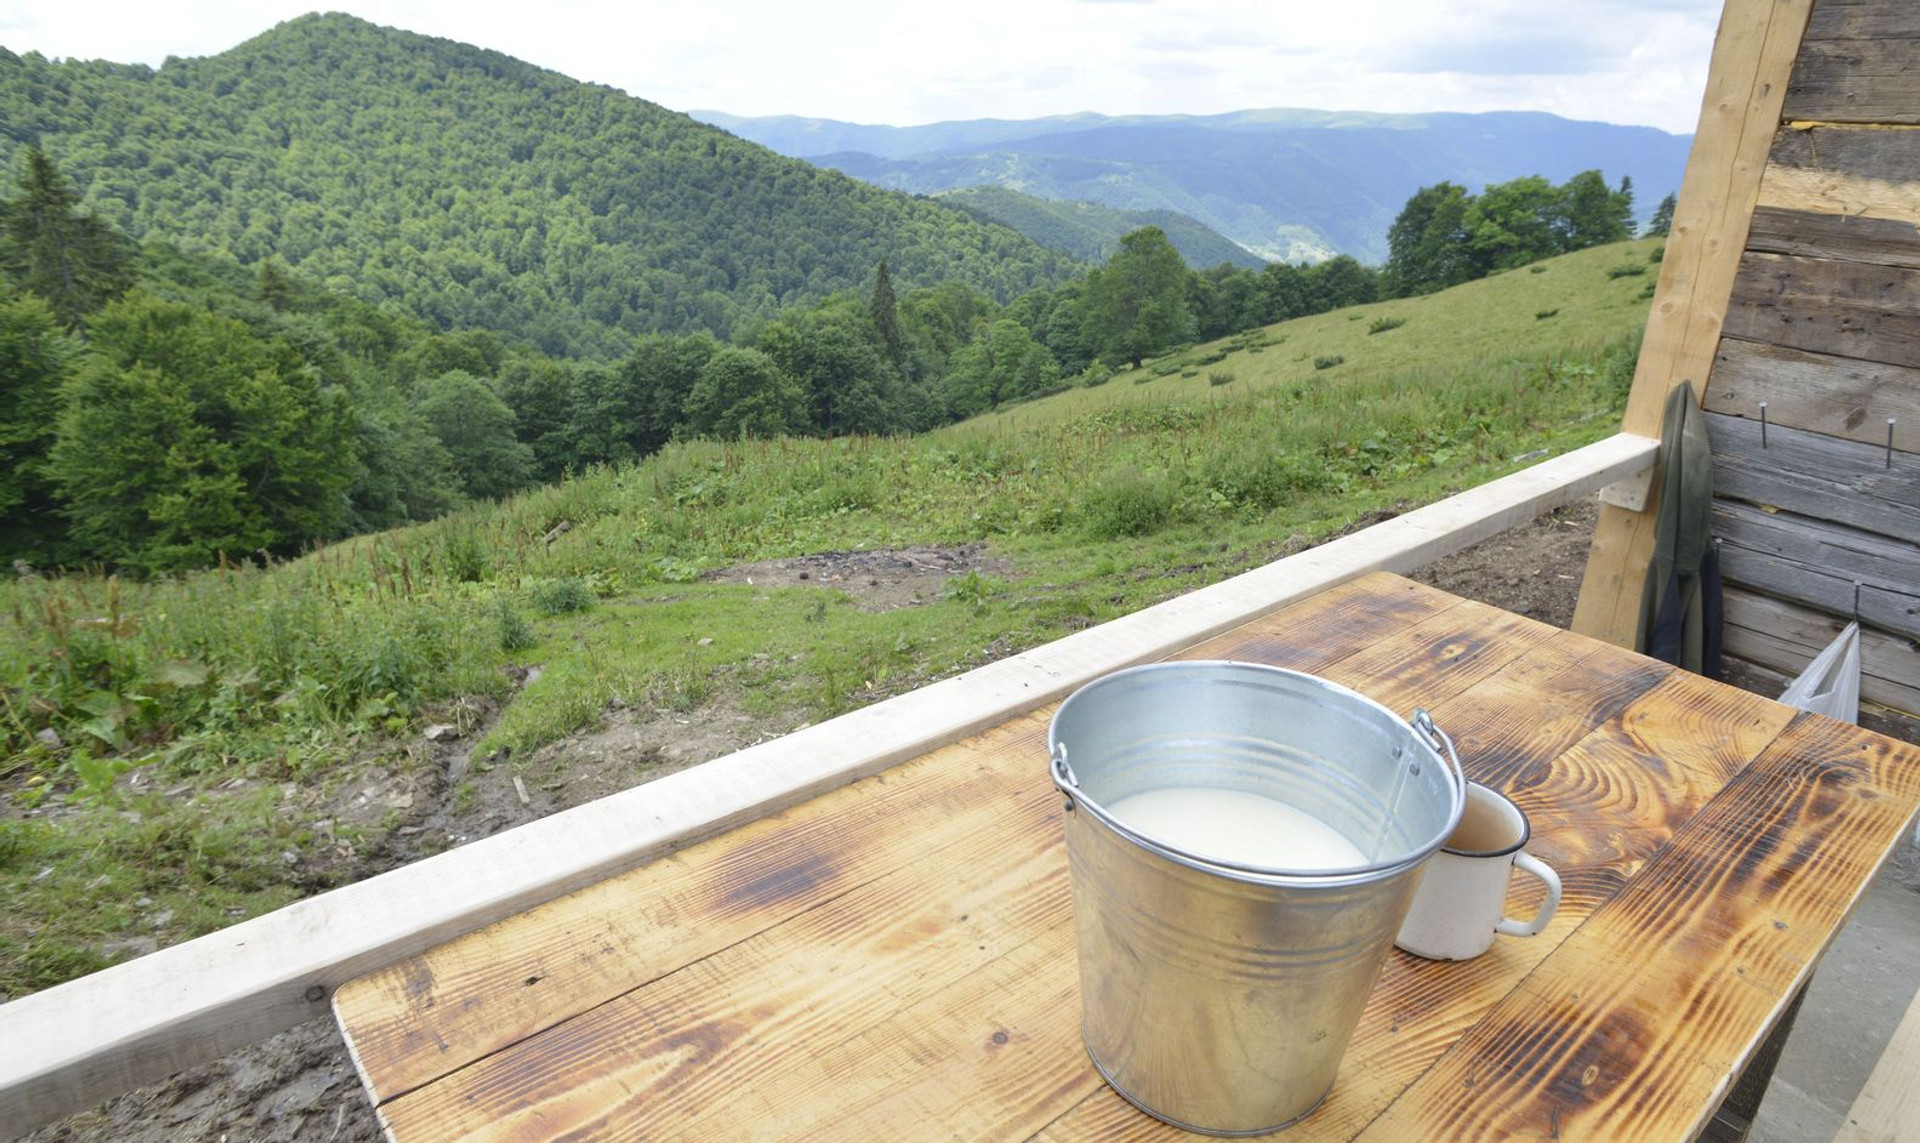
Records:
x=1528, y=863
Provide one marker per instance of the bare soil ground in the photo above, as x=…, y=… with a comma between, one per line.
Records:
x=299, y=1085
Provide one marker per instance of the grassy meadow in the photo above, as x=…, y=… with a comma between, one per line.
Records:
x=152, y=735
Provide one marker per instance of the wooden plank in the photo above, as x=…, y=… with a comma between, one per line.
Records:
x=1825, y=306
x=1858, y=78
x=442, y=1010
x=1815, y=563
x=1785, y=638
x=1866, y=174
x=1644, y=770
x=1753, y=54
x=71, y=1046
x=1863, y=20
x=1887, y=1110
x=1820, y=476
x=1748, y=894
x=1861, y=229
x=1818, y=392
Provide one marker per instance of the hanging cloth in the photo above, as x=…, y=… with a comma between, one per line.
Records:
x=1680, y=606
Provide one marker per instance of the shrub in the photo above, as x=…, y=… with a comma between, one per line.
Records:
x=1536, y=269
x=1096, y=373
x=1327, y=362
x=1383, y=324
x=1543, y=315
x=515, y=634
x=1189, y=373
x=1627, y=270
x=1130, y=503
x=1219, y=377
x=463, y=557
x=560, y=596
x=1658, y=254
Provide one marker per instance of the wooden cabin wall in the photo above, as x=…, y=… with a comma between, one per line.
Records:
x=1823, y=326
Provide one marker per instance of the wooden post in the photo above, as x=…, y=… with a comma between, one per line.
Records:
x=1746, y=87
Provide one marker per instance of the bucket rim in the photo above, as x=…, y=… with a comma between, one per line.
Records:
x=1060, y=770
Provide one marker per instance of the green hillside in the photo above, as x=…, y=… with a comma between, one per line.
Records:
x=254, y=704
x=481, y=192
x=1091, y=232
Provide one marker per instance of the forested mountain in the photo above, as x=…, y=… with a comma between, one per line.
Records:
x=1284, y=183
x=481, y=191
x=1092, y=232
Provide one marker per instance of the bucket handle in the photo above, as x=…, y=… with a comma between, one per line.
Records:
x=1437, y=738
x=1063, y=775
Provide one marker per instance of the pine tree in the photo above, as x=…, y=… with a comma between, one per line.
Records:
x=886, y=319
x=73, y=260
x=1662, y=222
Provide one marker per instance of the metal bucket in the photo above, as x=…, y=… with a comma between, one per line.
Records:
x=1217, y=996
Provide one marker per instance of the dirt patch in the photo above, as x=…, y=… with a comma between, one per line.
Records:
x=299, y=1084
x=1533, y=569
x=880, y=580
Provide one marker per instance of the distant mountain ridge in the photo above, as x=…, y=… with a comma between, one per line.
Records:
x=480, y=191
x=1092, y=232
x=1288, y=183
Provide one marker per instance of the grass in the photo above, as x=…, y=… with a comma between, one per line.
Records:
x=1104, y=499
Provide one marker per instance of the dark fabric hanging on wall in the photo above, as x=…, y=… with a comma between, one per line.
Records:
x=1680, y=606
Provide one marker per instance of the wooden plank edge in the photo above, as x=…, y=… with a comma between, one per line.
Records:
x=1753, y=52
x=70, y=1046
x=1887, y=1109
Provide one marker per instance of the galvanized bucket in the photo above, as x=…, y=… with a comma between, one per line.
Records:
x=1220, y=996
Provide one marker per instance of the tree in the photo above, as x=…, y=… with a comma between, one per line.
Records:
x=1137, y=304
x=1427, y=243
x=1339, y=281
x=476, y=428
x=743, y=393
x=183, y=436
x=1662, y=222
x=654, y=381
x=1589, y=213
x=73, y=260
x=34, y=360
x=1004, y=363
x=1510, y=224
x=832, y=353
x=886, y=320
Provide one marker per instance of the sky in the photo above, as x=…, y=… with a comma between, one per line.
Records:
x=906, y=62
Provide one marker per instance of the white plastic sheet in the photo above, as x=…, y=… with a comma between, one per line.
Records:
x=1831, y=683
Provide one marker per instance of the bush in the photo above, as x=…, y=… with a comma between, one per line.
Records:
x=1189, y=373
x=1382, y=325
x=561, y=596
x=1131, y=503
x=1219, y=377
x=1543, y=315
x=1096, y=373
x=462, y=556
x=1536, y=269
x=515, y=634
x=1627, y=270
x=1327, y=362
x=1658, y=254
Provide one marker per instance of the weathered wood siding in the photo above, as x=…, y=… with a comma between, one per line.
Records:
x=1819, y=514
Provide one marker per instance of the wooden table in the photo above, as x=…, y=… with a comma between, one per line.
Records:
x=895, y=959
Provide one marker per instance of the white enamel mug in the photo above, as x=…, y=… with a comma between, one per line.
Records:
x=1459, y=905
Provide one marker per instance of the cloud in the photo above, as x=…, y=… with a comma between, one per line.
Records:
x=1504, y=54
